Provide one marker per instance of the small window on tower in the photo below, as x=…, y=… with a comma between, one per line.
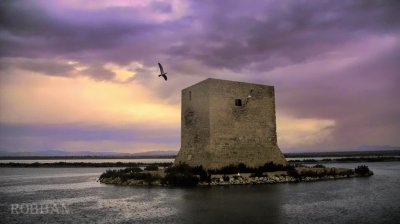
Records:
x=238, y=102
x=190, y=95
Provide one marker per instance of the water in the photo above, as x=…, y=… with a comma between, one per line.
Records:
x=155, y=160
x=80, y=199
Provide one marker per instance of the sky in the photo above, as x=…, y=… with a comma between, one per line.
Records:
x=82, y=74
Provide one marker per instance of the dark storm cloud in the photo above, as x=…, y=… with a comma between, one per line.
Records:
x=362, y=99
x=30, y=30
x=372, y=81
x=56, y=67
x=236, y=36
x=48, y=67
x=233, y=35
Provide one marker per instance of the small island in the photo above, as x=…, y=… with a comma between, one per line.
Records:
x=186, y=176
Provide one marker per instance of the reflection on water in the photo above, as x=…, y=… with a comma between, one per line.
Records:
x=235, y=204
x=359, y=200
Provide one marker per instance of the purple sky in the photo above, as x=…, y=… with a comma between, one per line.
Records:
x=81, y=75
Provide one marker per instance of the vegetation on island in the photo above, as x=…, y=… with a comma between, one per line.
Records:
x=183, y=175
x=130, y=173
x=242, y=168
x=363, y=170
x=151, y=167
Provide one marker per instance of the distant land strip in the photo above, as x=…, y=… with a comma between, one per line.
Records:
x=287, y=155
x=348, y=159
x=344, y=154
x=166, y=164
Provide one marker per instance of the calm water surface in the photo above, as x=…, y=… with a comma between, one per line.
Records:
x=80, y=199
x=155, y=160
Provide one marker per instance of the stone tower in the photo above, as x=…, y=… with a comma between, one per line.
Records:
x=221, y=125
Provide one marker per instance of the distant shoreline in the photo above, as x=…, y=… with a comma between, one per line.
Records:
x=344, y=154
x=349, y=159
x=166, y=164
x=287, y=155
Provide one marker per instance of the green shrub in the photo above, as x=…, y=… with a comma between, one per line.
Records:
x=109, y=173
x=185, y=179
x=184, y=175
x=291, y=170
x=126, y=174
x=363, y=170
x=181, y=167
x=151, y=168
x=132, y=170
x=242, y=168
x=198, y=170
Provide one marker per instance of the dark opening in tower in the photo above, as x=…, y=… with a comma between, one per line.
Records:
x=238, y=102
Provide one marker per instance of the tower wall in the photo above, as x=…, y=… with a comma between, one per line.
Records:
x=195, y=125
x=216, y=132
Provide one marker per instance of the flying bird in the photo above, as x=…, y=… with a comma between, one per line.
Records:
x=162, y=73
x=248, y=97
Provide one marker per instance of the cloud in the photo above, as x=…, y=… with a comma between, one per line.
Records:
x=334, y=64
x=118, y=146
x=276, y=34
x=359, y=94
x=215, y=33
x=43, y=30
x=94, y=137
x=59, y=67
x=295, y=133
x=265, y=36
x=52, y=67
x=32, y=98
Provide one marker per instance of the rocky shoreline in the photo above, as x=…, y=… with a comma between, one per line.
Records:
x=221, y=182
x=272, y=180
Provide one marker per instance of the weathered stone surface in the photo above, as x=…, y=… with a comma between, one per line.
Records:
x=216, y=132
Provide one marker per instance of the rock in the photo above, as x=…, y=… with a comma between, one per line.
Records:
x=156, y=183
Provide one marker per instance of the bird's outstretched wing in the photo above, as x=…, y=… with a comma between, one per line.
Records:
x=161, y=68
x=164, y=76
x=251, y=91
